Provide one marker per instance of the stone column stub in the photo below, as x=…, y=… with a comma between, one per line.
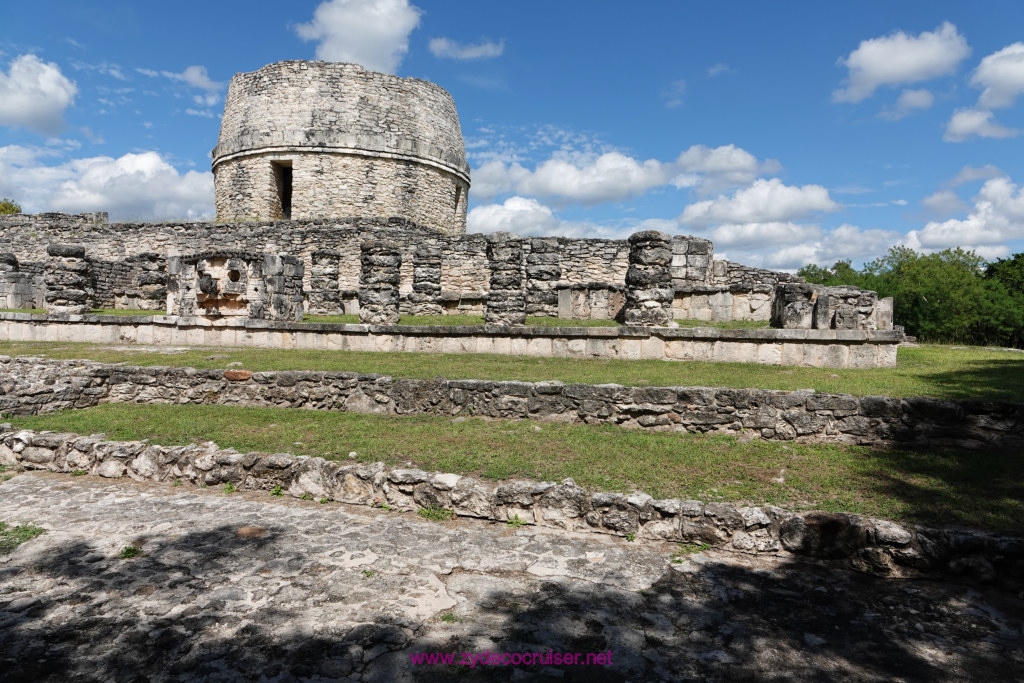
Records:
x=649, y=290
x=379, y=278
x=506, y=300
x=68, y=279
x=425, y=298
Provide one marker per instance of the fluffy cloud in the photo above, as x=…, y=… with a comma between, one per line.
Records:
x=845, y=242
x=34, y=94
x=715, y=169
x=765, y=201
x=753, y=235
x=997, y=216
x=609, y=177
x=969, y=174
x=591, y=178
x=373, y=33
x=1001, y=74
x=524, y=216
x=133, y=186
x=446, y=48
x=899, y=59
x=969, y=123
x=944, y=203
x=197, y=77
x=909, y=101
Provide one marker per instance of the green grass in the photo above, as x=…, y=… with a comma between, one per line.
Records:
x=981, y=489
x=12, y=537
x=436, y=514
x=928, y=370
x=130, y=551
x=33, y=311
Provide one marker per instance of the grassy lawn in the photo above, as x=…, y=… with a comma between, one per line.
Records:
x=980, y=489
x=928, y=370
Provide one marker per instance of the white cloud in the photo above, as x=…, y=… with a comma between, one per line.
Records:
x=845, y=242
x=760, y=235
x=719, y=69
x=609, y=177
x=195, y=76
x=446, y=48
x=909, y=101
x=205, y=113
x=132, y=186
x=34, y=94
x=899, y=59
x=1001, y=74
x=673, y=93
x=525, y=216
x=715, y=169
x=496, y=177
x=968, y=123
x=944, y=203
x=373, y=33
x=969, y=174
x=765, y=201
x=997, y=217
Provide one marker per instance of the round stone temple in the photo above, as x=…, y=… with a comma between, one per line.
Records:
x=309, y=140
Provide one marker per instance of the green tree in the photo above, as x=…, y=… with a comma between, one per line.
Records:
x=1009, y=273
x=951, y=295
x=9, y=206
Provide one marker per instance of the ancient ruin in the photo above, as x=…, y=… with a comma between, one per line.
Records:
x=306, y=139
x=235, y=284
x=348, y=193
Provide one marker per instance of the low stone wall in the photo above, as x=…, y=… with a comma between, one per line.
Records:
x=810, y=348
x=35, y=386
x=868, y=544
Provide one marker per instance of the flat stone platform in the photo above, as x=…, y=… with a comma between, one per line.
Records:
x=810, y=348
x=245, y=586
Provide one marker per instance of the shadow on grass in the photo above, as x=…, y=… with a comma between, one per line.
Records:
x=950, y=487
x=710, y=621
x=999, y=380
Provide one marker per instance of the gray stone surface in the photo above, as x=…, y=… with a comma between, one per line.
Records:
x=246, y=586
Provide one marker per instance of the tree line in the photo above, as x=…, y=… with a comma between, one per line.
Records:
x=951, y=296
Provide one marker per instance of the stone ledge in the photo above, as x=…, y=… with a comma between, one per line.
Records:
x=864, y=543
x=37, y=386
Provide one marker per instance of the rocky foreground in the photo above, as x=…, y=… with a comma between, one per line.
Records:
x=246, y=586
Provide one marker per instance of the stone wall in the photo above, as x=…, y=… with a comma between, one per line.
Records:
x=19, y=289
x=867, y=544
x=354, y=142
x=593, y=269
x=33, y=386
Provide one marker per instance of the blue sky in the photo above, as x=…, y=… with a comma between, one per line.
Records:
x=786, y=132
